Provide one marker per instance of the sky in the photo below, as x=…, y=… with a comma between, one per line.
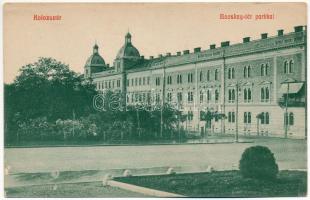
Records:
x=156, y=28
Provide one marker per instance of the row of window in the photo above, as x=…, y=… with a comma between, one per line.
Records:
x=138, y=81
x=108, y=84
x=247, y=95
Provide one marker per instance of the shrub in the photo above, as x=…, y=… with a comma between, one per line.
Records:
x=258, y=162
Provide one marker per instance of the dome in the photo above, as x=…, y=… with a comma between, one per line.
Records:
x=95, y=59
x=128, y=50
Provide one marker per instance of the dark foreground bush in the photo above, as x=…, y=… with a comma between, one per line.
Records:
x=258, y=162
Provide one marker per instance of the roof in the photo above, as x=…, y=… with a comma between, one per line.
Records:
x=128, y=50
x=95, y=60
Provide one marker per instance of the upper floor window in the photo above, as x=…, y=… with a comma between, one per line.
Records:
x=231, y=117
x=201, y=76
x=288, y=66
x=148, y=80
x=216, y=94
x=208, y=96
x=231, y=73
x=264, y=68
x=231, y=95
x=265, y=118
x=264, y=94
x=143, y=82
x=169, y=80
x=247, y=118
x=216, y=74
x=190, y=78
x=190, y=97
x=247, y=95
x=179, y=78
x=157, y=81
x=118, y=83
x=208, y=75
x=180, y=97
x=247, y=72
x=201, y=97
x=289, y=119
x=140, y=81
x=169, y=96
x=136, y=81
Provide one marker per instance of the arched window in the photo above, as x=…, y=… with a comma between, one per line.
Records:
x=267, y=118
x=216, y=74
x=291, y=66
x=267, y=93
x=245, y=117
x=233, y=94
x=208, y=75
x=262, y=69
x=200, y=76
x=208, y=95
x=291, y=119
x=249, y=72
x=249, y=94
x=285, y=67
x=244, y=72
x=266, y=69
x=262, y=94
x=229, y=73
x=233, y=73
x=245, y=94
x=249, y=118
x=216, y=95
x=229, y=95
x=262, y=120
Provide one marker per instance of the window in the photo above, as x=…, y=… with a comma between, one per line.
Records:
x=231, y=73
x=190, y=78
x=180, y=97
x=157, y=81
x=208, y=75
x=179, y=78
x=289, y=119
x=245, y=72
x=190, y=115
x=208, y=96
x=118, y=83
x=216, y=75
x=231, y=117
x=247, y=118
x=216, y=94
x=190, y=97
x=140, y=81
x=288, y=67
x=201, y=97
x=231, y=95
x=291, y=66
x=201, y=76
x=143, y=81
x=247, y=95
x=136, y=81
x=169, y=80
x=264, y=94
x=264, y=69
x=264, y=118
x=169, y=97
x=148, y=80
x=157, y=98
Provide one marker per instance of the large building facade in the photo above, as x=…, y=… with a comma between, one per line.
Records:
x=258, y=87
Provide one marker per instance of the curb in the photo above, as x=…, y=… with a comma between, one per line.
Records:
x=142, y=190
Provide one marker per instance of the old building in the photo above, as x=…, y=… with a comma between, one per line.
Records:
x=257, y=87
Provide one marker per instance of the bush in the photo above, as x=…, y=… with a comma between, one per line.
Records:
x=258, y=162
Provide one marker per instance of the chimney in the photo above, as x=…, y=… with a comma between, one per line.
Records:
x=280, y=32
x=298, y=29
x=178, y=53
x=212, y=46
x=160, y=55
x=168, y=54
x=151, y=57
x=197, y=49
x=225, y=44
x=186, y=52
x=246, y=39
x=264, y=35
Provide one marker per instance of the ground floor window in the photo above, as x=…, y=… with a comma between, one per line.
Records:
x=289, y=119
x=231, y=117
x=247, y=118
x=265, y=118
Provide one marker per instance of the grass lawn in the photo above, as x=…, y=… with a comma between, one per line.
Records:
x=224, y=184
x=74, y=190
